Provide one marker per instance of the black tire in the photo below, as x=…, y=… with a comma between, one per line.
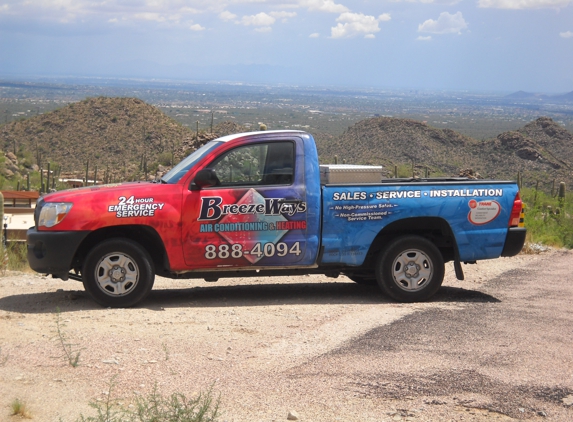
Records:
x=363, y=280
x=410, y=269
x=118, y=273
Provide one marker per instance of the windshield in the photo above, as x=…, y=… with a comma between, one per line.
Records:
x=177, y=172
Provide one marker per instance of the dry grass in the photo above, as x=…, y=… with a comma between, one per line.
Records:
x=19, y=409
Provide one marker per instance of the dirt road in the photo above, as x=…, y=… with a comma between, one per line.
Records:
x=497, y=346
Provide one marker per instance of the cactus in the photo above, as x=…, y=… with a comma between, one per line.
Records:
x=561, y=194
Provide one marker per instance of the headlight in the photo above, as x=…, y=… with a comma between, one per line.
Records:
x=53, y=213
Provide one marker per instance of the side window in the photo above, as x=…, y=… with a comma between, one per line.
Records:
x=258, y=164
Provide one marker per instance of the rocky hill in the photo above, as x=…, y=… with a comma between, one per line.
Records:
x=541, y=150
x=129, y=138
x=114, y=133
x=388, y=141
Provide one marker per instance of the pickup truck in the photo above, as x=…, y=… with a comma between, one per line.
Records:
x=252, y=204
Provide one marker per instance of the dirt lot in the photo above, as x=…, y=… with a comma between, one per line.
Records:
x=496, y=346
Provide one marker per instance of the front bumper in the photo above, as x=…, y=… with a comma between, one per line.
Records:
x=514, y=241
x=52, y=252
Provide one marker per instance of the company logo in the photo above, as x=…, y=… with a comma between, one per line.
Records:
x=483, y=212
x=212, y=208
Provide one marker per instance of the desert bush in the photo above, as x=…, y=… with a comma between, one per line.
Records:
x=548, y=219
x=157, y=408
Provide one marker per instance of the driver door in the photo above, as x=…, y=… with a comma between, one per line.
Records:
x=254, y=215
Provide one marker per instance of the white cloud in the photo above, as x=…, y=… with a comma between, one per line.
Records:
x=227, y=16
x=352, y=24
x=314, y=35
x=567, y=34
x=446, y=24
x=196, y=27
x=442, y=2
x=324, y=6
x=421, y=38
x=150, y=17
x=283, y=15
x=260, y=19
x=172, y=11
x=384, y=17
x=523, y=4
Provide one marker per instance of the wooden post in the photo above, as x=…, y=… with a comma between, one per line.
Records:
x=87, y=169
x=48, y=177
x=145, y=167
x=395, y=172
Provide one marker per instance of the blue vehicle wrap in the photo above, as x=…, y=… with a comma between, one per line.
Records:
x=478, y=216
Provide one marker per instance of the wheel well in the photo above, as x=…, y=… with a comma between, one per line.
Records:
x=145, y=236
x=435, y=229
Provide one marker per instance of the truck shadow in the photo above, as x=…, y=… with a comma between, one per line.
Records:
x=234, y=296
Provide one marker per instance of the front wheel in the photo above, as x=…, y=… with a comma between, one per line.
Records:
x=118, y=273
x=410, y=269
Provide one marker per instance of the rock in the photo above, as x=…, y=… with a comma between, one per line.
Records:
x=12, y=157
x=110, y=362
x=12, y=166
x=528, y=153
x=568, y=400
x=469, y=173
x=292, y=416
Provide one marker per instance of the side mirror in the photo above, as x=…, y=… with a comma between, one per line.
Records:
x=205, y=179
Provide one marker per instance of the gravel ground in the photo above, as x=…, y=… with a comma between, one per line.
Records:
x=496, y=346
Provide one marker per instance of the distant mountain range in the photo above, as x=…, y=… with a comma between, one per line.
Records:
x=530, y=96
x=120, y=135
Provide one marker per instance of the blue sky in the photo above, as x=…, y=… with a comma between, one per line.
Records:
x=476, y=45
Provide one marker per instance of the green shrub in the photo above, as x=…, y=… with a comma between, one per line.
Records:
x=157, y=408
x=548, y=219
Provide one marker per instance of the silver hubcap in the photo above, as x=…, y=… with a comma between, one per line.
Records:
x=117, y=274
x=412, y=270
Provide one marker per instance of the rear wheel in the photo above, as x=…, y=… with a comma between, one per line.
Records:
x=410, y=269
x=118, y=273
